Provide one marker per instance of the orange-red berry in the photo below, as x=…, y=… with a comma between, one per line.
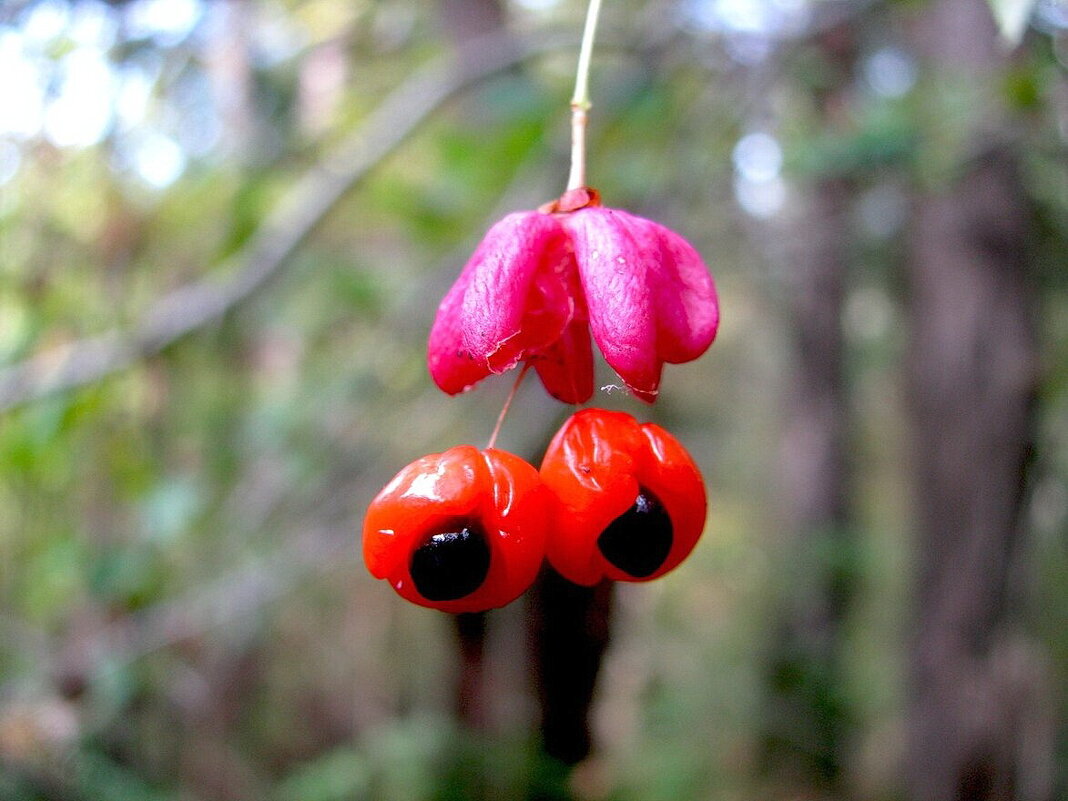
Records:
x=631, y=502
x=460, y=531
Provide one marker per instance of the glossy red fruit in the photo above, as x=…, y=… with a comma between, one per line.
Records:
x=631, y=502
x=460, y=531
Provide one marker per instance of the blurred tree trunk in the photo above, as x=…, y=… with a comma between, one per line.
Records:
x=803, y=728
x=471, y=689
x=570, y=627
x=972, y=369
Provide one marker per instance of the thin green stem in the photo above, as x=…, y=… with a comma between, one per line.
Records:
x=508, y=404
x=580, y=101
x=582, y=74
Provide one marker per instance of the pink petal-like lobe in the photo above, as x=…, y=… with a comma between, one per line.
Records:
x=566, y=366
x=510, y=299
x=650, y=296
x=516, y=300
x=615, y=259
x=687, y=309
x=452, y=366
x=541, y=283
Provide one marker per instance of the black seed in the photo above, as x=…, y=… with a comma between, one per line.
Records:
x=639, y=540
x=451, y=564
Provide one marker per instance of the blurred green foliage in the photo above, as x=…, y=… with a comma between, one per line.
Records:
x=183, y=609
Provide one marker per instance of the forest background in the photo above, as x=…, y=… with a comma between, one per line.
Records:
x=224, y=229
